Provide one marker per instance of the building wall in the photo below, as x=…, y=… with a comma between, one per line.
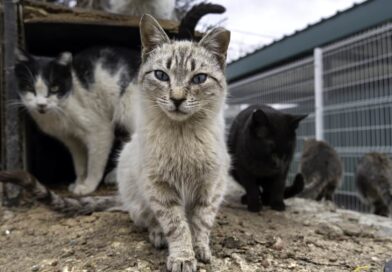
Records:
x=356, y=94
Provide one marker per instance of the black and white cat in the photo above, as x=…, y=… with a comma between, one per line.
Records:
x=77, y=100
x=262, y=142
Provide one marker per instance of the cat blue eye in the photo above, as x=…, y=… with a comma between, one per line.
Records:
x=161, y=75
x=199, y=78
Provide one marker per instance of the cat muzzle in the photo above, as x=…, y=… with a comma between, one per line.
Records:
x=41, y=108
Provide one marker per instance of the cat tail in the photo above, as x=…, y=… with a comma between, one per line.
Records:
x=313, y=189
x=296, y=188
x=186, y=29
x=65, y=205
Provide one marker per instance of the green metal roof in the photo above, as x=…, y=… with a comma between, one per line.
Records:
x=353, y=20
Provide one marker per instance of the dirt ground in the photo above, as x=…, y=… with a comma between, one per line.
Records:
x=307, y=237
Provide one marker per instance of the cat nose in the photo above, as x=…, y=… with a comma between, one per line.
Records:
x=41, y=106
x=177, y=101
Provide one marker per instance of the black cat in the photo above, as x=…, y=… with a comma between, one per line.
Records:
x=262, y=142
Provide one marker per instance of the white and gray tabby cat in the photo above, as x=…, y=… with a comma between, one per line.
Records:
x=172, y=174
x=77, y=101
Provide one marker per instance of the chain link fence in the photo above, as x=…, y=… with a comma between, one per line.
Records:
x=345, y=87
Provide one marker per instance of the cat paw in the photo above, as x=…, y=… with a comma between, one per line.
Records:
x=157, y=238
x=244, y=200
x=181, y=264
x=71, y=187
x=278, y=206
x=203, y=253
x=111, y=178
x=255, y=207
x=82, y=189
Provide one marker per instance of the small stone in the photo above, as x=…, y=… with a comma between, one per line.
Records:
x=292, y=265
x=290, y=255
x=53, y=262
x=231, y=242
x=35, y=268
x=7, y=232
x=375, y=259
x=88, y=219
x=68, y=253
x=72, y=242
x=265, y=263
x=329, y=230
x=276, y=243
x=353, y=232
x=8, y=215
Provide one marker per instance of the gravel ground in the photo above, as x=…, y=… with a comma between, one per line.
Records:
x=309, y=236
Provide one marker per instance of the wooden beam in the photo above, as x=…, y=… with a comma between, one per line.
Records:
x=13, y=133
x=39, y=12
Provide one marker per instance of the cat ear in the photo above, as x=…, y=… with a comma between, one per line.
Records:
x=64, y=58
x=295, y=119
x=21, y=55
x=217, y=41
x=152, y=34
x=259, y=117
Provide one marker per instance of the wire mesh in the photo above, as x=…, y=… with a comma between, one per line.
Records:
x=357, y=100
x=288, y=88
x=357, y=74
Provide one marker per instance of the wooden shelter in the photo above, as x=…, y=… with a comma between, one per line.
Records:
x=47, y=29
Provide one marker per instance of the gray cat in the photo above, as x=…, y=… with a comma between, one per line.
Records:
x=374, y=182
x=321, y=169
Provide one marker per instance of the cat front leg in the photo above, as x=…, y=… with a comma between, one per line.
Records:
x=249, y=182
x=156, y=235
x=275, y=191
x=170, y=214
x=99, y=145
x=79, y=158
x=202, y=219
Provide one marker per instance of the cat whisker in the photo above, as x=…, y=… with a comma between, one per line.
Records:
x=30, y=73
x=14, y=102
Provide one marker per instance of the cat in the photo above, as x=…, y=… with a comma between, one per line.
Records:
x=95, y=76
x=262, y=141
x=373, y=178
x=172, y=174
x=75, y=99
x=321, y=169
x=161, y=9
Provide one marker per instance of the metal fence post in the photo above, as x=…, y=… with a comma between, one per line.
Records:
x=318, y=92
